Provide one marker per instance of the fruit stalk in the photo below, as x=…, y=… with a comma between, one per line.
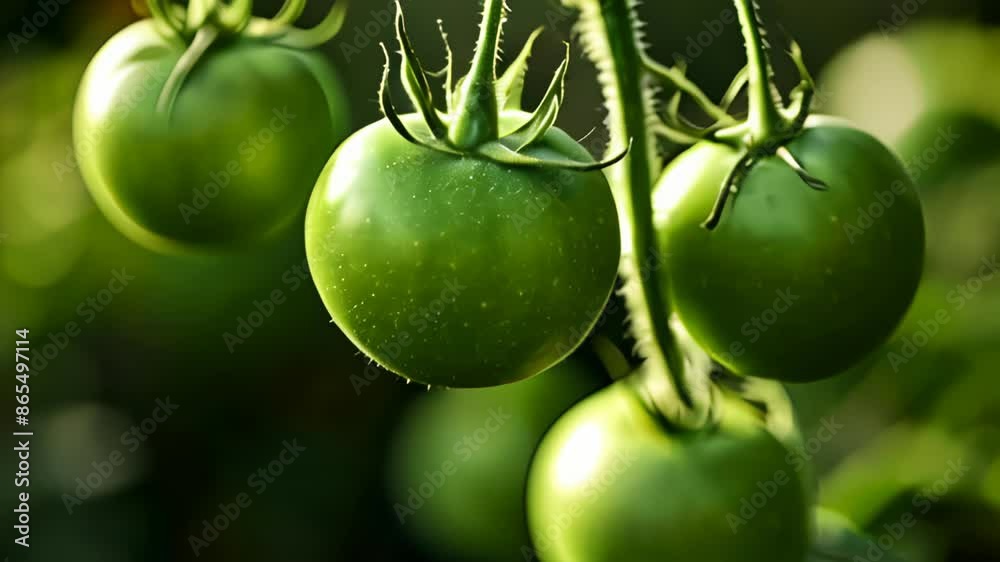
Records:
x=613, y=43
x=764, y=119
x=476, y=121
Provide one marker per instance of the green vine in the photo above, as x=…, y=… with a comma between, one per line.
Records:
x=612, y=40
x=676, y=373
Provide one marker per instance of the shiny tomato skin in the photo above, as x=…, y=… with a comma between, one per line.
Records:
x=795, y=284
x=235, y=160
x=611, y=482
x=456, y=271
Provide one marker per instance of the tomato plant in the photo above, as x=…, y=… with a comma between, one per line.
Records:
x=206, y=128
x=611, y=481
x=468, y=250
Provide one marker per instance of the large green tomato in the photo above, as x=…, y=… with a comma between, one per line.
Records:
x=460, y=461
x=235, y=159
x=458, y=271
x=795, y=283
x=611, y=482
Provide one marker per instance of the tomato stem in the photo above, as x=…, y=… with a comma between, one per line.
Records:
x=765, y=120
x=610, y=30
x=203, y=39
x=477, y=118
x=199, y=12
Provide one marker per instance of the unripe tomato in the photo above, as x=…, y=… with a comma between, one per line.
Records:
x=460, y=461
x=611, y=482
x=232, y=161
x=946, y=146
x=795, y=283
x=456, y=270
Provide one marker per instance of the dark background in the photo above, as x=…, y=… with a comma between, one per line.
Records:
x=162, y=336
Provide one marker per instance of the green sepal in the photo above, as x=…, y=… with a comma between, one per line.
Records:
x=496, y=151
x=802, y=96
x=809, y=179
x=385, y=101
x=449, y=69
x=730, y=187
x=322, y=32
x=235, y=17
x=290, y=12
x=510, y=86
x=415, y=81
x=164, y=15
x=735, y=87
x=546, y=113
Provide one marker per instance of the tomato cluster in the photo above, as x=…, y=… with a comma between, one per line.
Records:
x=477, y=245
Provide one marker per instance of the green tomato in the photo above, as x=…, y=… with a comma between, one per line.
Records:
x=457, y=486
x=457, y=271
x=611, y=482
x=948, y=145
x=230, y=164
x=795, y=284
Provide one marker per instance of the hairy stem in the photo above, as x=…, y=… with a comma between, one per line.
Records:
x=610, y=36
x=764, y=119
x=476, y=120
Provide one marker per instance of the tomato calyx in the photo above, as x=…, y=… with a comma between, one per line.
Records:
x=768, y=128
x=201, y=23
x=470, y=124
